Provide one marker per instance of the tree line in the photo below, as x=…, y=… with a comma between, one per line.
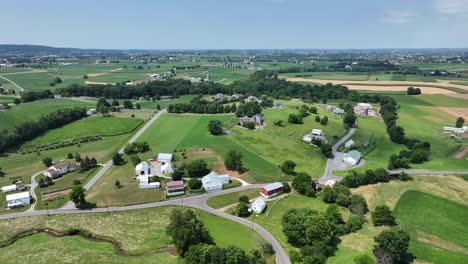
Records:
x=31, y=129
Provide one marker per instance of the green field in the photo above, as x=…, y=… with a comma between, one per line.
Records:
x=345, y=76
x=437, y=227
x=98, y=125
x=34, y=110
x=173, y=131
x=221, y=201
x=129, y=229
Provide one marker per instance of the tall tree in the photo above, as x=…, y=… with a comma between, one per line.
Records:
x=233, y=161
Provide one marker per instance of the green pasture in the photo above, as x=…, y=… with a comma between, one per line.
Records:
x=345, y=76
x=221, y=201
x=437, y=227
x=34, y=110
x=95, y=125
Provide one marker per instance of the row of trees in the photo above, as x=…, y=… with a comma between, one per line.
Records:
x=210, y=108
x=413, y=91
x=136, y=147
x=31, y=129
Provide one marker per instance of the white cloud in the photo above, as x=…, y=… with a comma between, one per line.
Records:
x=397, y=16
x=452, y=7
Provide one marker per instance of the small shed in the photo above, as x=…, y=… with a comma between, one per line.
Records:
x=349, y=143
x=258, y=206
x=317, y=132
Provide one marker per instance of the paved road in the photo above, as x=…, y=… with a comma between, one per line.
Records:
x=12, y=82
x=328, y=174
x=32, y=187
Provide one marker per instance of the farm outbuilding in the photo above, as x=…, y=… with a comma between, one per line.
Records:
x=9, y=188
x=352, y=158
x=271, y=189
x=175, y=188
x=142, y=169
x=214, y=182
x=18, y=199
x=164, y=157
x=258, y=206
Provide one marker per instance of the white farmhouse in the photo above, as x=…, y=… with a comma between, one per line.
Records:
x=214, y=182
x=258, y=206
x=18, y=199
x=59, y=169
x=9, y=188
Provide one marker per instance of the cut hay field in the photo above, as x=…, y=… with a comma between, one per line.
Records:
x=129, y=229
x=437, y=227
x=344, y=76
x=450, y=189
x=34, y=110
x=97, y=125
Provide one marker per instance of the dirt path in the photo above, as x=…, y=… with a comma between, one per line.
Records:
x=102, y=83
x=461, y=154
x=24, y=72
x=427, y=88
x=103, y=73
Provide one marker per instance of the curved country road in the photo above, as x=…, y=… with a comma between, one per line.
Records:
x=328, y=174
x=12, y=82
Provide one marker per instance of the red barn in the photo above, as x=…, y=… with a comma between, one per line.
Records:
x=271, y=189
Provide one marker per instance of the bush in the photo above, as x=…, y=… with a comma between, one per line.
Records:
x=241, y=210
x=382, y=215
x=405, y=177
x=194, y=184
x=354, y=223
x=288, y=167
x=286, y=187
x=244, y=199
x=303, y=184
x=295, y=119
x=215, y=127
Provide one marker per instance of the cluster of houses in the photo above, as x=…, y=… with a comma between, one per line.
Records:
x=252, y=98
x=364, y=109
x=144, y=173
x=315, y=134
x=59, y=169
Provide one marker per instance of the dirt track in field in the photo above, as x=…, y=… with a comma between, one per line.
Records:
x=461, y=154
x=104, y=72
x=425, y=87
x=102, y=83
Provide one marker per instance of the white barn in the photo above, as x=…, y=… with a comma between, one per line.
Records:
x=142, y=169
x=164, y=157
x=214, y=182
x=18, y=199
x=258, y=206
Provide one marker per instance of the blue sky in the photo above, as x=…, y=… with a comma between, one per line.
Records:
x=240, y=24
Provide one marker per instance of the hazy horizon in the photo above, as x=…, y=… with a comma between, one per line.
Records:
x=238, y=25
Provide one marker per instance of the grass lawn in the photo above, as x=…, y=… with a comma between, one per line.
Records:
x=444, y=100
x=221, y=201
x=105, y=193
x=137, y=231
x=42, y=248
x=437, y=227
x=165, y=103
x=98, y=125
x=34, y=110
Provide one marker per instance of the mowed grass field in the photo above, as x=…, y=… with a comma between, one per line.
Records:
x=96, y=125
x=437, y=227
x=450, y=189
x=173, y=131
x=34, y=110
x=139, y=232
x=221, y=201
